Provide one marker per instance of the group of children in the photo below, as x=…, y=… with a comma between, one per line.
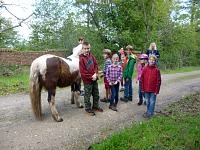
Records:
x=115, y=72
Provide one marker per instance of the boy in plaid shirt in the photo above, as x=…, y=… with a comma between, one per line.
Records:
x=114, y=76
x=108, y=62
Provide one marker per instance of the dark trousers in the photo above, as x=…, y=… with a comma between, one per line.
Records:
x=114, y=94
x=141, y=94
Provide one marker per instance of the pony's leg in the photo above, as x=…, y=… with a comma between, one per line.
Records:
x=72, y=94
x=77, y=94
x=51, y=99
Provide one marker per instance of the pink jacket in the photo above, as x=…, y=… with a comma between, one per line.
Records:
x=139, y=69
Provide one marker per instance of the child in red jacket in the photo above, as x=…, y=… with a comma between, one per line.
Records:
x=150, y=81
x=89, y=69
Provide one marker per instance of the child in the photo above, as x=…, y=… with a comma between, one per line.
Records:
x=106, y=55
x=120, y=52
x=114, y=75
x=123, y=58
x=150, y=81
x=143, y=63
x=127, y=74
x=89, y=69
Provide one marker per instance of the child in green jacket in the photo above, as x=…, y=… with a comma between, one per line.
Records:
x=127, y=74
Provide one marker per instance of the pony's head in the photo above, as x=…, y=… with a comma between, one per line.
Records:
x=77, y=50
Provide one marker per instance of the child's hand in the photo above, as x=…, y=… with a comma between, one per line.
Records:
x=110, y=83
x=127, y=79
x=115, y=83
x=94, y=77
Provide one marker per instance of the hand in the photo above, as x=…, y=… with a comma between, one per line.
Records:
x=115, y=83
x=127, y=79
x=155, y=93
x=94, y=77
x=110, y=83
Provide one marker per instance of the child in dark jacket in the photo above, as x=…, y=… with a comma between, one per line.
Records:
x=89, y=69
x=151, y=81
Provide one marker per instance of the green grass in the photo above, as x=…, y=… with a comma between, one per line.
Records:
x=15, y=84
x=14, y=79
x=180, y=70
x=177, y=127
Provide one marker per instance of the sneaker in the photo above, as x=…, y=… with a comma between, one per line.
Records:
x=122, y=89
x=105, y=100
x=90, y=112
x=112, y=107
x=97, y=109
x=124, y=99
x=139, y=103
x=145, y=115
x=82, y=93
x=130, y=98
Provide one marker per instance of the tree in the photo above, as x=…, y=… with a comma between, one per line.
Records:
x=8, y=38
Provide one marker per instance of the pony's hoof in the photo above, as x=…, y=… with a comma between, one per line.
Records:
x=60, y=120
x=81, y=106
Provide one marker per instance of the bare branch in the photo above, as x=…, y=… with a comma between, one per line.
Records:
x=19, y=24
x=94, y=19
x=11, y=13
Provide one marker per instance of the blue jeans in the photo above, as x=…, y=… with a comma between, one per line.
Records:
x=114, y=93
x=150, y=102
x=140, y=93
x=128, y=90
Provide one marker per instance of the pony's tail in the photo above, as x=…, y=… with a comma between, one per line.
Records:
x=35, y=94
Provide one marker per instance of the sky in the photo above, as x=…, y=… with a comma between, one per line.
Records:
x=21, y=9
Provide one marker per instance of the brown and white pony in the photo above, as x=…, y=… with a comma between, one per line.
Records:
x=50, y=71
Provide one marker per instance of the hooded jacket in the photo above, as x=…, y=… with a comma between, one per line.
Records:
x=151, y=79
x=88, y=67
x=128, y=70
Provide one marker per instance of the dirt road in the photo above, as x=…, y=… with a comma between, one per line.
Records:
x=19, y=129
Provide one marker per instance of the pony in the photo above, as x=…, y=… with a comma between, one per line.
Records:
x=50, y=71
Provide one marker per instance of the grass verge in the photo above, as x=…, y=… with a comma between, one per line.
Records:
x=177, y=127
x=14, y=79
x=180, y=70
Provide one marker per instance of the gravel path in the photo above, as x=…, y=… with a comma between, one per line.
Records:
x=19, y=129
